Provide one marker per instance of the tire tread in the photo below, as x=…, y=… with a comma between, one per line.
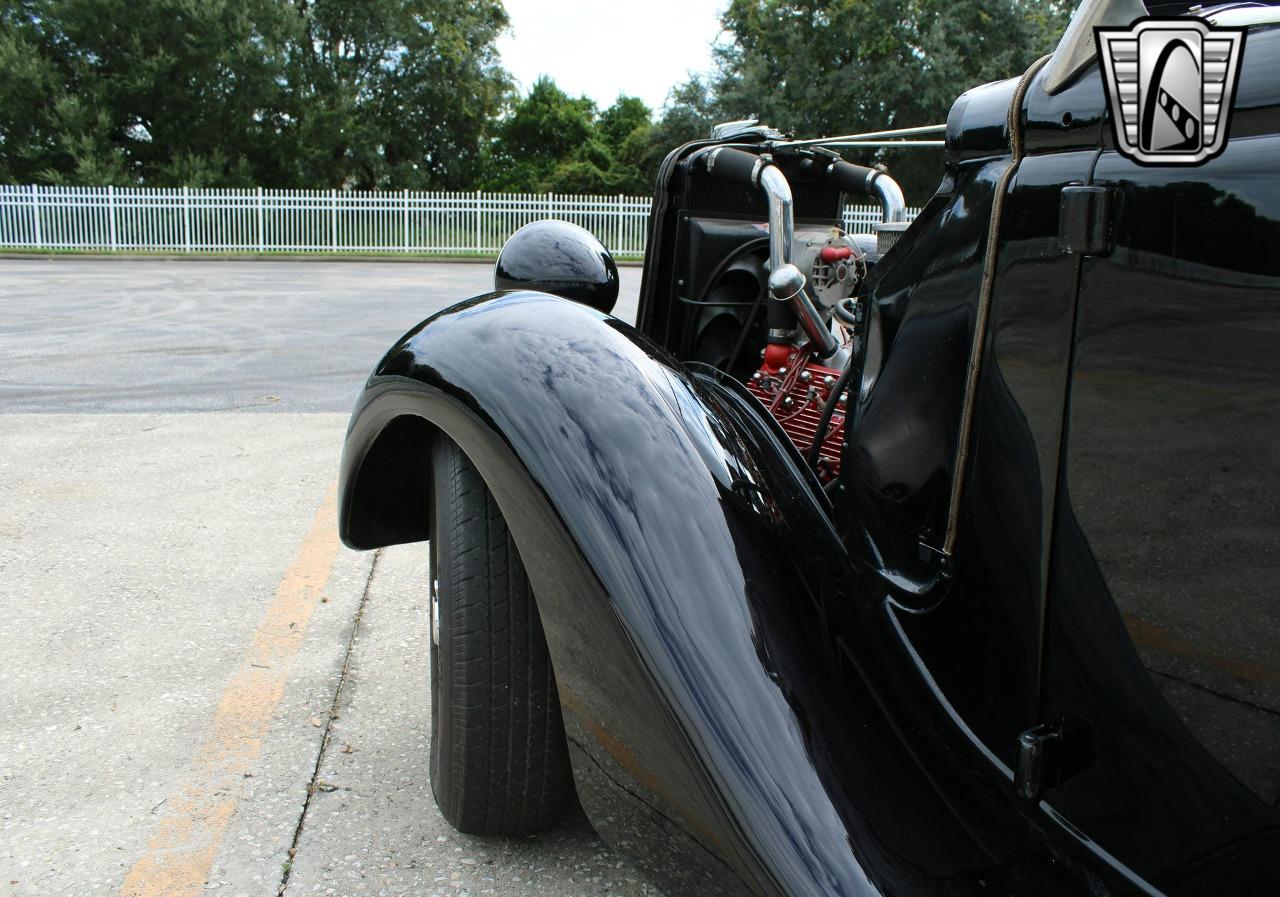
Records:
x=503, y=766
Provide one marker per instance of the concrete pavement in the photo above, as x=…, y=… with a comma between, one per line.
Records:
x=372, y=827
x=202, y=692
x=80, y=334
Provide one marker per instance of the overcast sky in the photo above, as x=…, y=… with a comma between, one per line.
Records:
x=601, y=49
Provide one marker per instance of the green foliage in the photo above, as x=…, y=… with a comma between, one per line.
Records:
x=393, y=93
x=116, y=90
x=820, y=67
x=354, y=93
x=690, y=112
x=626, y=115
x=411, y=93
x=547, y=125
x=551, y=142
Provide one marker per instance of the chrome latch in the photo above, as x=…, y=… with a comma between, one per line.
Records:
x=1050, y=754
x=1084, y=220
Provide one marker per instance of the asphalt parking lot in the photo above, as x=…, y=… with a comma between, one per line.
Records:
x=203, y=691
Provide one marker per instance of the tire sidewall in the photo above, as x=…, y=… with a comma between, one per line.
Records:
x=440, y=697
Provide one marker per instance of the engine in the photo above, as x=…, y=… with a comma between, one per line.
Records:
x=796, y=394
x=793, y=383
x=813, y=315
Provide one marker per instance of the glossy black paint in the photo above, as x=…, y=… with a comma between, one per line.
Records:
x=772, y=692
x=1112, y=572
x=560, y=258
x=993, y=601
x=744, y=714
x=1170, y=527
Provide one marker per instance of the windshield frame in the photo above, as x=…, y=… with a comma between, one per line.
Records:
x=1077, y=49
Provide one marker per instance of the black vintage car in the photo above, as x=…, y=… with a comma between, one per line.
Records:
x=938, y=562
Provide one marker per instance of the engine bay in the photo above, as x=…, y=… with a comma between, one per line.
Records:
x=763, y=282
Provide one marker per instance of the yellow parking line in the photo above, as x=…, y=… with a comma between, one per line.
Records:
x=184, y=843
x=1146, y=634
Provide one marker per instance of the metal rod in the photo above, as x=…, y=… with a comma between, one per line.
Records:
x=893, y=143
x=869, y=135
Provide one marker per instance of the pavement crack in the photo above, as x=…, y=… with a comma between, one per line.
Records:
x=1244, y=702
x=315, y=782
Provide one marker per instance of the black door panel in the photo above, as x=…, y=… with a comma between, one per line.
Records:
x=1165, y=592
x=982, y=643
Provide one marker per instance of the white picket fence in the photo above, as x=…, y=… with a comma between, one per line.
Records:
x=140, y=219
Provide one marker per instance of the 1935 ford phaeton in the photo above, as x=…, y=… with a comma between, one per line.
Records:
x=942, y=561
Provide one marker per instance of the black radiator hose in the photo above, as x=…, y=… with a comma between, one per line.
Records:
x=734, y=165
x=850, y=178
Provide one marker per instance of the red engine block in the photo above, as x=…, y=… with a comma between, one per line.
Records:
x=794, y=392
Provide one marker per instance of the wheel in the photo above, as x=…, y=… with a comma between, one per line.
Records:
x=499, y=761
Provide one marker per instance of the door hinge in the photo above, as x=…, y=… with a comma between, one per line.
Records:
x=1050, y=754
x=1084, y=220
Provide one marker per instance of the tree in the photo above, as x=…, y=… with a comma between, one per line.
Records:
x=410, y=93
x=392, y=93
x=622, y=118
x=688, y=115
x=624, y=129
x=339, y=93
x=548, y=124
x=539, y=132
x=827, y=67
x=551, y=142
x=99, y=91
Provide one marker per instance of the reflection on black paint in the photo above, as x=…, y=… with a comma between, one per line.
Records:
x=560, y=258
x=1170, y=547
x=741, y=713
x=764, y=699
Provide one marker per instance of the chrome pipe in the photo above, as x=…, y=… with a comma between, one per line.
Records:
x=786, y=284
x=782, y=222
x=891, y=199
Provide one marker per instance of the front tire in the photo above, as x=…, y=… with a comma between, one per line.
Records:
x=499, y=761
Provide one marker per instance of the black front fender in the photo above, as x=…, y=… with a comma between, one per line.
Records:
x=700, y=609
